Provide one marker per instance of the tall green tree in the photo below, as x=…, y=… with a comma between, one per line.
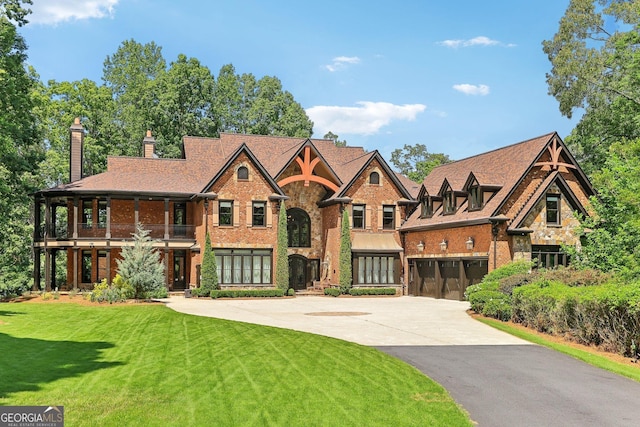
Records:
x=282, y=257
x=130, y=74
x=20, y=151
x=209, y=269
x=346, y=273
x=612, y=232
x=141, y=266
x=183, y=97
x=415, y=161
x=595, y=63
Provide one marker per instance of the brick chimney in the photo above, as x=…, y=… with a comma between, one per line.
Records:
x=75, y=159
x=149, y=143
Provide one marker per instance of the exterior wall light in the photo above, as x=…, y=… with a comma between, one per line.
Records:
x=420, y=246
x=469, y=243
x=443, y=245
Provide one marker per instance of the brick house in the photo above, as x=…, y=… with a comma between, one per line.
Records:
x=230, y=187
x=476, y=214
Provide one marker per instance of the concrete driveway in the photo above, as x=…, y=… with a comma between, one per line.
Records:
x=499, y=379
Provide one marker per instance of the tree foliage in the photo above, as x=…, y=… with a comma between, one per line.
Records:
x=20, y=153
x=345, y=278
x=612, y=233
x=333, y=137
x=209, y=269
x=140, y=265
x=282, y=257
x=595, y=63
x=415, y=161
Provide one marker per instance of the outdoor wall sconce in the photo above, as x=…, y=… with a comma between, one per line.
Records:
x=469, y=243
x=443, y=245
x=420, y=246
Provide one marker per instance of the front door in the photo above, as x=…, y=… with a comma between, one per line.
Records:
x=297, y=272
x=179, y=270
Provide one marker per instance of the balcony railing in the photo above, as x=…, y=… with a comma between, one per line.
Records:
x=118, y=231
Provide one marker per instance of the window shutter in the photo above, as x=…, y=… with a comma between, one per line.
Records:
x=350, y=210
x=215, y=215
x=380, y=218
x=249, y=214
x=236, y=213
x=367, y=218
x=398, y=219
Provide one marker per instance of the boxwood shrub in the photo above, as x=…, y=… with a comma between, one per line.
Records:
x=334, y=292
x=245, y=293
x=372, y=291
x=480, y=298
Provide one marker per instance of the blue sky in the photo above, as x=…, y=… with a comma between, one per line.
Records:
x=460, y=77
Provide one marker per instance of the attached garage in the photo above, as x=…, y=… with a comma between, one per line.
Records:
x=445, y=278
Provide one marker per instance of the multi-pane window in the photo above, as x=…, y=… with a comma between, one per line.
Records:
x=388, y=217
x=372, y=269
x=86, y=267
x=243, y=173
x=475, y=198
x=225, y=212
x=358, y=216
x=179, y=219
x=102, y=265
x=87, y=213
x=374, y=178
x=449, y=202
x=102, y=214
x=258, y=210
x=426, y=206
x=553, y=209
x=243, y=266
x=298, y=228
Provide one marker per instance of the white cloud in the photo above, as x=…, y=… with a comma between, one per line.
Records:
x=56, y=11
x=476, y=41
x=468, y=89
x=341, y=62
x=365, y=119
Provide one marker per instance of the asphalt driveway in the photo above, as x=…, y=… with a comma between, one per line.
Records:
x=499, y=379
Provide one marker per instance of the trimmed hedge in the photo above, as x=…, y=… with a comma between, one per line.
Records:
x=245, y=293
x=334, y=292
x=372, y=291
x=607, y=315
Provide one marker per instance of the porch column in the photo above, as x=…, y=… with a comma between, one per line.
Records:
x=36, y=269
x=166, y=219
x=75, y=217
x=166, y=267
x=108, y=236
x=136, y=210
x=75, y=268
x=47, y=269
x=109, y=278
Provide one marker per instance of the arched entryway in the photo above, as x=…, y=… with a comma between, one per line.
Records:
x=297, y=272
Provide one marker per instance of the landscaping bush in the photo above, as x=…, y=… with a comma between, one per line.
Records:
x=499, y=308
x=13, y=284
x=507, y=284
x=372, y=291
x=480, y=298
x=291, y=292
x=245, y=293
x=334, y=292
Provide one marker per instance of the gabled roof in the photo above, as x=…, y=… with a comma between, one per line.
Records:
x=205, y=159
x=501, y=171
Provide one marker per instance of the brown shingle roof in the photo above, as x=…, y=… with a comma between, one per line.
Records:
x=204, y=158
x=502, y=168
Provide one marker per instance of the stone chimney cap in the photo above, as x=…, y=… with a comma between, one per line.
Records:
x=76, y=124
x=149, y=139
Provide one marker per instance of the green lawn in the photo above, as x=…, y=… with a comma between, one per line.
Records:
x=148, y=365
